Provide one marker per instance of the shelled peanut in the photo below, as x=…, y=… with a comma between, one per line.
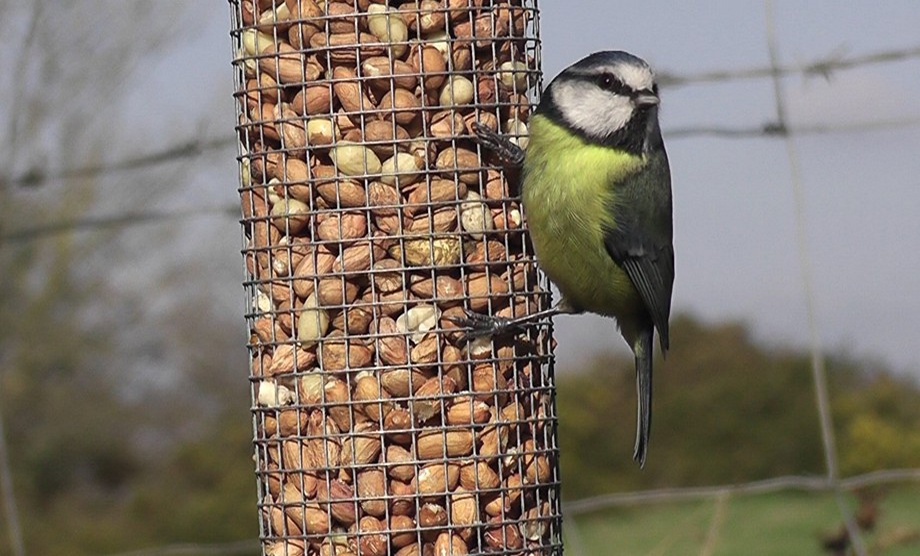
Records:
x=373, y=219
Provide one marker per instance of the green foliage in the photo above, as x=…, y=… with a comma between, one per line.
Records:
x=776, y=524
x=101, y=461
x=109, y=468
x=209, y=494
x=728, y=410
x=878, y=421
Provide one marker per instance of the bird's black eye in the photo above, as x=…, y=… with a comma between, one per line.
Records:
x=612, y=83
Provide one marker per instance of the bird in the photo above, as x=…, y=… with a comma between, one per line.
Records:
x=867, y=510
x=596, y=192
x=836, y=542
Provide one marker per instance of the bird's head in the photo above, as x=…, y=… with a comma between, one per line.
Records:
x=608, y=97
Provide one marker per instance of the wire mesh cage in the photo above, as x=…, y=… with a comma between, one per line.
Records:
x=372, y=220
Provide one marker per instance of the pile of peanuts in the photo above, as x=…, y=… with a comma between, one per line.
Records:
x=373, y=221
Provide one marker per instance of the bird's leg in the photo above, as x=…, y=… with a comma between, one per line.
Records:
x=478, y=325
x=507, y=151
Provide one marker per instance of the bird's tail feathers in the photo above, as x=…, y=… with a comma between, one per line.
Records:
x=643, y=347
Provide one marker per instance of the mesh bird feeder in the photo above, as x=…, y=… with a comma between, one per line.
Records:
x=372, y=219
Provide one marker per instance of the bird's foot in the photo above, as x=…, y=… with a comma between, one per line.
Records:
x=476, y=325
x=507, y=151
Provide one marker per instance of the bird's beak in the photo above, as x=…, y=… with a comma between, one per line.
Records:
x=646, y=100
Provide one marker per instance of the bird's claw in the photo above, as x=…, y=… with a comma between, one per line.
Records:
x=476, y=325
x=508, y=152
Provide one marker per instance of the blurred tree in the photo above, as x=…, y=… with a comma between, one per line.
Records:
x=729, y=410
x=877, y=415
x=100, y=430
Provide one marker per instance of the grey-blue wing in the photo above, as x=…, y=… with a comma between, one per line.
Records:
x=642, y=243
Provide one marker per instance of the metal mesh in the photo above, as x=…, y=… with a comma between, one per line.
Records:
x=371, y=217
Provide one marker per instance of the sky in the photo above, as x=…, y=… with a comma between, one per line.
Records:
x=734, y=207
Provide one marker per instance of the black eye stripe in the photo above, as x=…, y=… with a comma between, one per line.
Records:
x=612, y=83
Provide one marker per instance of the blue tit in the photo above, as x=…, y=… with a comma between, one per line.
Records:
x=596, y=192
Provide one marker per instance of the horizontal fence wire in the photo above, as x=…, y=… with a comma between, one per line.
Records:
x=775, y=484
x=826, y=65
x=140, y=218
x=823, y=67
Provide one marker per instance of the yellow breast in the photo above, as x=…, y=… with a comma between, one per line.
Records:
x=568, y=189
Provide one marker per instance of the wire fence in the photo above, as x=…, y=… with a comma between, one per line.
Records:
x=831, y=480
x=792, y=482
x=818, y=368
x=824, y=67
x=781, y=128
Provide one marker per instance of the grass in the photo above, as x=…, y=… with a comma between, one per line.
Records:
x=778, y=524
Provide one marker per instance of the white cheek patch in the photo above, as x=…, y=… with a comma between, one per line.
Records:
x=588, y=108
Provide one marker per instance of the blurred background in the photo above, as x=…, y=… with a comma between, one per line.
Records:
x=123, y=378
